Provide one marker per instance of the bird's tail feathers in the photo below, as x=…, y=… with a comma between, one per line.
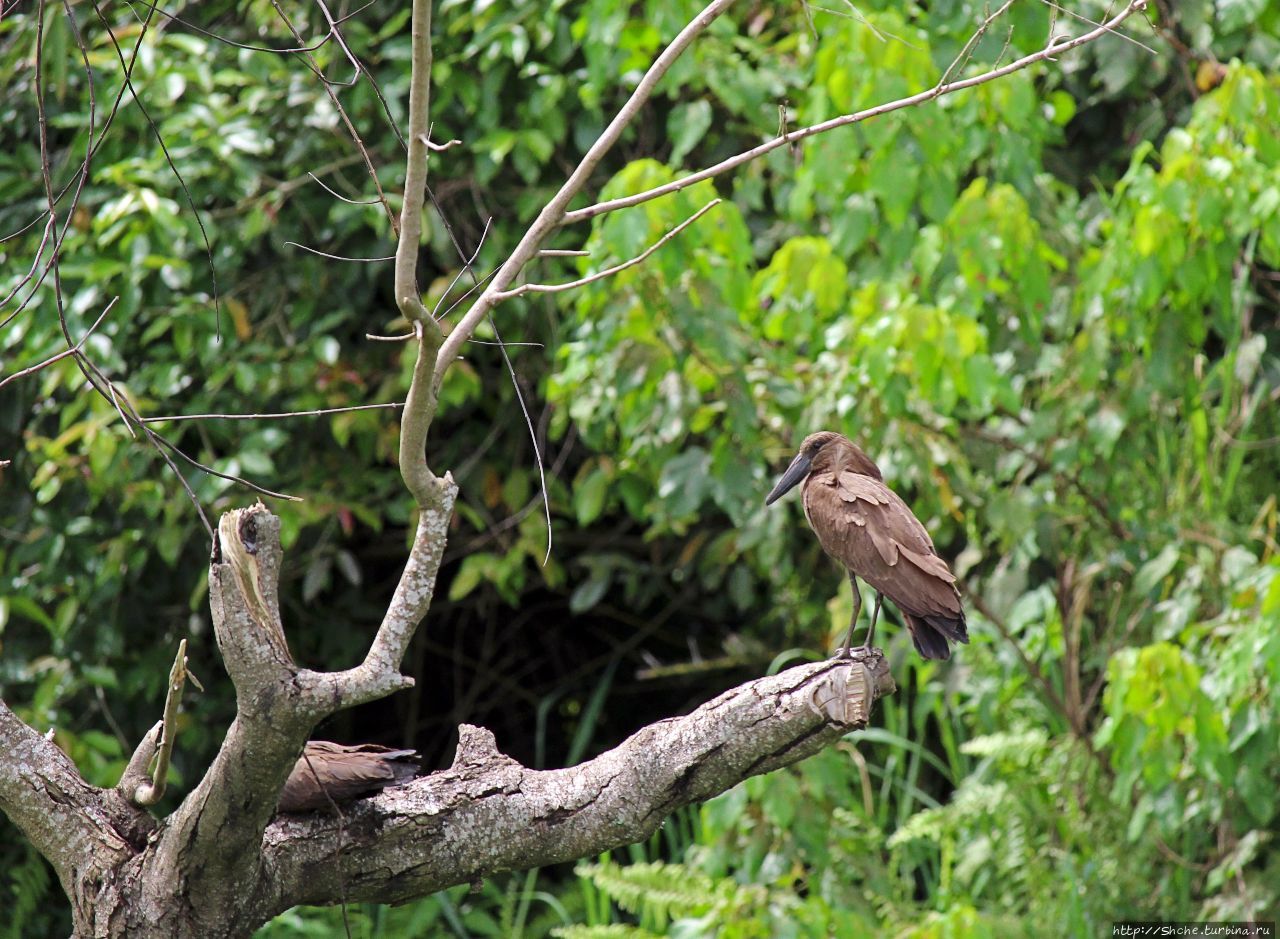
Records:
x=930, y=634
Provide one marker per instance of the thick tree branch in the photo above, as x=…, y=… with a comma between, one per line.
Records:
x=378, y=675
x=553, y=213
x=83, y=831
x=419, y=411
x=209, y=848
x=489, y=814
x=420, y=406
x=415, y=179
x=1054, y=48
x=44, y=795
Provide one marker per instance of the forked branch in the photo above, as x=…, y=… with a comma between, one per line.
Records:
x=608, y=272
x=488, y=814
x=553, y=213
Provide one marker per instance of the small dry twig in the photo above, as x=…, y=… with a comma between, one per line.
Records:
x=140, y=783
x=267, y=417
x=74, y=350
x=607, y=272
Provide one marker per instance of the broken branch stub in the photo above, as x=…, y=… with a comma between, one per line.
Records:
x=246, y=618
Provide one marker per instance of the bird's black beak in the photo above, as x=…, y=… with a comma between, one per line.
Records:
x=797, y=471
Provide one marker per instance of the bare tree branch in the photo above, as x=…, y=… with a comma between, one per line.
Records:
x=139, y=784
x=608, y=272
x=428, y=491
x=937, y=91
x=84, y=832
x=339, y=257
x=209, y=847
x=489, y=814
x=274, y=416
x=65, y=353
x=553, y=213
x=335, y=32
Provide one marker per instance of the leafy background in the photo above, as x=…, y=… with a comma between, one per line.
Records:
x=1048, y=306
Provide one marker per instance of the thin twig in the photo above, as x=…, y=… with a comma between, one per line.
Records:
x=337, y=195
x=1084, y=19
x=74, y=350
x=510, y=345
x=733, y=162
x=856, y=15
x=608, y=272
x=337, y=105
x=149, y=793
x=440, y=147
x=962, y=58
x=49, y=227
x=80, y=178
x=466, y=268
x=339, y=257
x=336, y=33
x=472, y=289
x=133, y=418
x=239, y=45
x=533, y=436
x=229, y=477
x=173, y=167
x=268, y=417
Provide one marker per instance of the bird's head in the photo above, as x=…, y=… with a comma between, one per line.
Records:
x=823, y=452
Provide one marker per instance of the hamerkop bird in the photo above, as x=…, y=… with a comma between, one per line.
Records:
x=333, y=771
x=864, y=525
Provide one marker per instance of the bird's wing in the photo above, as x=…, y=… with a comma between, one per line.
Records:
x=343, y=772
x=863, y=523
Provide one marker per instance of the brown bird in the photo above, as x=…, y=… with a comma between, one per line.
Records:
x=864, y=525
x=342, y=773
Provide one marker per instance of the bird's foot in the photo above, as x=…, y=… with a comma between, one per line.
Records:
x=852, y=652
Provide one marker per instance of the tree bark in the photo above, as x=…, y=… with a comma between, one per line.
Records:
x=224, y=862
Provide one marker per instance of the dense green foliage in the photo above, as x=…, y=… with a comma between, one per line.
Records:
x=1047, y=306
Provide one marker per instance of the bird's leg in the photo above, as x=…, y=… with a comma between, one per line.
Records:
x=847, y=652
x=875, y=615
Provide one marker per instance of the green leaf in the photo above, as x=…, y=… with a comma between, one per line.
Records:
x=589, y=496
x=474, y=570
x=1236, y=14
x=686, y=126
